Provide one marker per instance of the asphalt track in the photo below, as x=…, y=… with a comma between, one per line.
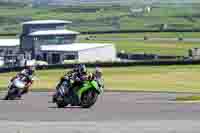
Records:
x=114, y=112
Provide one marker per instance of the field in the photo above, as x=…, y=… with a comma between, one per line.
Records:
x=150, y=35
x=134, y=42
x=156, y=78
x=123, y=17
x=104, y=18
x=162, y=47
x=115, y=17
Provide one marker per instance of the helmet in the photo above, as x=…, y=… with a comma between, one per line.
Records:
x=98, y=71
x=76, y=68
x=82, y=68
x=30, y=65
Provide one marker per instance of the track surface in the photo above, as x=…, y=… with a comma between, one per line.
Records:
x=146, y=110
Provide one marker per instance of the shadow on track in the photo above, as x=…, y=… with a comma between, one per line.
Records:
x=17, y=99
x=67, y=107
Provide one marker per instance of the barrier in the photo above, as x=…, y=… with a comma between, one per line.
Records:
x=108, y=64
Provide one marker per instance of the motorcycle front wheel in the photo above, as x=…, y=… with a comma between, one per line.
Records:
x=60, y=102
x=12, y=94
x=89, y=98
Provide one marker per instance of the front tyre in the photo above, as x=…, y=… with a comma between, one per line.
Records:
x=60, y=102
x=88, y=98
x=6, y=97
x=12, y=95
x=54, y=98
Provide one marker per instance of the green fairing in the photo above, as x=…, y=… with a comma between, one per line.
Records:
x=94, y=84
x=86, y=86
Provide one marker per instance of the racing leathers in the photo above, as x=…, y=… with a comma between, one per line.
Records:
x=27, y=75
x=77, y=81
x=79, y=78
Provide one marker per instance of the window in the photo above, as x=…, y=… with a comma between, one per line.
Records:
x=1, y=50
x=60, y=27
x=45, y=56
x=53, y=40
x=70, y=57
x=10, y=51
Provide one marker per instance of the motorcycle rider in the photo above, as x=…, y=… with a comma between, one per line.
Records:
x=28, y=72
x=98, y=76
x=80, y=76
x=73, y=71
x=69, y=74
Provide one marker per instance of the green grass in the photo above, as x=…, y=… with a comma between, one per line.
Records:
x=151, y=47
x=147, y=34
x=156, y=78
x=179, y=48
x=103, y=18
x=188, y=98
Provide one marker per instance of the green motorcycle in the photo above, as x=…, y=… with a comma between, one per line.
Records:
x=84, y=95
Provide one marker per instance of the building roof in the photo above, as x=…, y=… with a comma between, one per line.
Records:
x=47, y=22
x=73, y=47
x=9, y=42
x=52, y=32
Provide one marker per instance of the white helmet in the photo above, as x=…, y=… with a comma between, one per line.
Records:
x=98, y=71
x=31, y=64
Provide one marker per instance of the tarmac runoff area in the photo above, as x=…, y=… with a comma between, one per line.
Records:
x=117, y=112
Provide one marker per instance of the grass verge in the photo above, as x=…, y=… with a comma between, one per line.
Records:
x=188, y=98
x=139, y=78
x=151, y=47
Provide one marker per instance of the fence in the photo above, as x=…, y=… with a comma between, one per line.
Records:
x=109, y=64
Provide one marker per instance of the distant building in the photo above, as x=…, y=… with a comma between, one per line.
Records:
x=9, y=52
x=79, y=52
x=48, y=40
x=46, y=32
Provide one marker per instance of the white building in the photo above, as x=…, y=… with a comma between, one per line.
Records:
x=49, y=41
x=9, y=48
x=82, y=52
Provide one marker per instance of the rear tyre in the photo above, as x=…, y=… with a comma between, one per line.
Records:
x=89, y=98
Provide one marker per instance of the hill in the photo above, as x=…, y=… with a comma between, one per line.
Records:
x=78, y=2
x=99, y=17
